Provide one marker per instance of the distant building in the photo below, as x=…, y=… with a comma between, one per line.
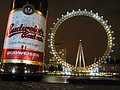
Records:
x=110, y=65
x=61, y=50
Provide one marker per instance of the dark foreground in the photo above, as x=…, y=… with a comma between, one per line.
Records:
x=44, y=85
x=8, y=85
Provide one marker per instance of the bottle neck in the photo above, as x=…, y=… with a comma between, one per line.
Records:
x=40, y=5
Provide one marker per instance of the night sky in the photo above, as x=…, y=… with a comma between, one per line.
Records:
x=91, y=32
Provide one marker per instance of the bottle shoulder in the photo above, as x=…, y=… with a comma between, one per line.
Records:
x=39, y=5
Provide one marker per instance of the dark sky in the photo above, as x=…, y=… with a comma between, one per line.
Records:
x=92, y=34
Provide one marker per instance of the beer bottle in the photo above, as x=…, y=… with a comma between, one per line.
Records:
x=24, y=43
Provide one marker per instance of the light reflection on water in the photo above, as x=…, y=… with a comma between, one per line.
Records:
x=55, y=79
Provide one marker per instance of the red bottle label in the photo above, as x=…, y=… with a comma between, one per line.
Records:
x=25, y=37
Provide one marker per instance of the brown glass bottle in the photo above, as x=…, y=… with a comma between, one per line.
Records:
x=23, y=49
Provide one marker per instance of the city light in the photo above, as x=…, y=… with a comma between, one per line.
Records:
x=88, y=14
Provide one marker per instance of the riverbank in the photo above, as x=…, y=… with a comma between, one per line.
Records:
x=8, y=85
x=49, y=82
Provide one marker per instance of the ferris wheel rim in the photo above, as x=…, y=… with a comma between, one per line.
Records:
x=88, y=14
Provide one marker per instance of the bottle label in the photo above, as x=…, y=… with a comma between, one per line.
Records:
x=25, y=37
